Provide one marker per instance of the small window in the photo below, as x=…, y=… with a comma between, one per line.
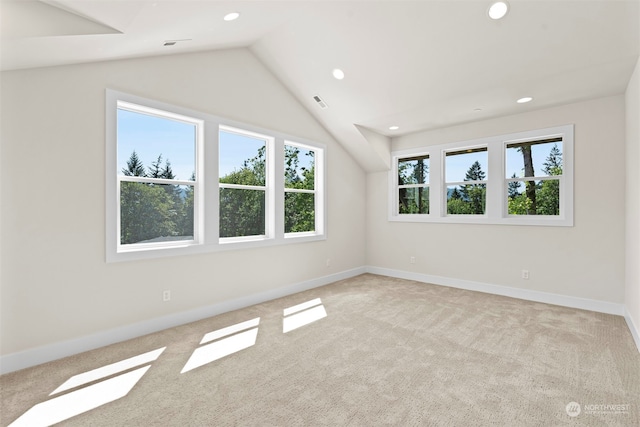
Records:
x=156, y=161
x=466, y=181
x=299, y=188
x=413, y=185
x=243, y=170
x=533, y=175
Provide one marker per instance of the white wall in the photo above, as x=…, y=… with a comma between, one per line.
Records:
x=56, y=285
x=632, y=289
x=584, y=261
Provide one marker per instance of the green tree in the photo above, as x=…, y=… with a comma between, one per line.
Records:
x=299, y=208
x=134, y=166
x=242, y=211
x=146, y=212
x=413, y=200
x=151, y=211
x=513, y=188
x=474, y=194
x=530, y=186
x=549, y=191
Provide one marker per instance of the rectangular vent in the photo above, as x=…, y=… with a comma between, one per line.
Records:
x=320, y=102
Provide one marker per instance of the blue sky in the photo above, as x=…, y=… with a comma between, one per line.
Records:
x=457, y=166
x=151, y=136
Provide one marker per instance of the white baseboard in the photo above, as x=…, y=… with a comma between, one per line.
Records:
x=32, y=357
x=525, y=294
x=635, y=332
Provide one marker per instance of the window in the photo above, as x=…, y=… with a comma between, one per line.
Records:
x=533, y=174
x=466, y=181
x=180, y=182
x=523, y=178
x=299, y=188
x=243, y=170
x=156, y=177
x=413, y=185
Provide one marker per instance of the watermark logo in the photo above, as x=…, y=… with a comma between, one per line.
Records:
x=573, y=409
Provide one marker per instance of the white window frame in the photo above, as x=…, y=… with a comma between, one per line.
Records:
x=399, y=186
x=446, y=184
x=206, y=186
x=318, y=185
x=268, y=188
x=496, y=205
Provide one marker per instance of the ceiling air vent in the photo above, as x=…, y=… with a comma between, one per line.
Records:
x=320, y=102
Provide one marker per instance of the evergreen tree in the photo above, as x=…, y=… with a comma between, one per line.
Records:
x=553, y=163
x=134, y=166
x=549, y=192
x=154, y=170
x=475, y=194
x=514, y=188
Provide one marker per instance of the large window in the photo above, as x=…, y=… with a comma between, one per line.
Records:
x=524, y=178
x=180, y=182
x=156, y=177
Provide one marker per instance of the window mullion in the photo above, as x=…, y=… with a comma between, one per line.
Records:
x=494, y=208
x=209, y=180
x=278, y=186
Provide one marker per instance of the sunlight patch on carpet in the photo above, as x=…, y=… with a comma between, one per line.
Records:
x=231, y=342
x=301, y=315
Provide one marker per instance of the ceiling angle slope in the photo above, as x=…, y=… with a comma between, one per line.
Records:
x=47, y=19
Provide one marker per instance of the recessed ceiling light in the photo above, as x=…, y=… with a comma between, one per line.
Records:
x=498, y=10
x=394, y=127
x=338, y=74
x=231, y=16
x=524, y=100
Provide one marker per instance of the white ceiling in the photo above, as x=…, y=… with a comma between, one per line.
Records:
x=415, y=64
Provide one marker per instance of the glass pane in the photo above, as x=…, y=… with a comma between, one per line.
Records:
x=155, y=213
x=534, y=159
x=299, y=212
x=466, y=199
x=242, y=159
x=413, y=171
x=155, y=147
x=534, y=197
x=466, y=165
x=242, y=212
x=299, y=167
x=413, y=200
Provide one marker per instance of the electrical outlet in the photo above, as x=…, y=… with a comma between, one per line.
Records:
x=412, y=260
x=328, y=263
x=525, y=274
x=166, y=295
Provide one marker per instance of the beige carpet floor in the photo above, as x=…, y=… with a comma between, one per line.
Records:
x=388, y=352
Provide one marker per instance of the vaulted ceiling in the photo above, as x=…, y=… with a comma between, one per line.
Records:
x=416, y=65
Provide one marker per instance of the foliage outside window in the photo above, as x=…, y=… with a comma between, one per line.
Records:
x=243, y=183
x=156, y=206
x=181, y=182
x=468, y=195
x=534, y=171
x=299, y=189
x=524, y=178
x=413, y=185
